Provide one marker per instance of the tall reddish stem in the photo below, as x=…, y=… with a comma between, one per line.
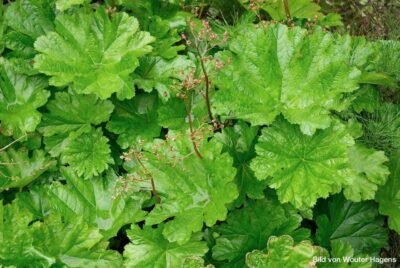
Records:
x=287, y=9
x=187, y=105
x=207, y=81
x=148, y=174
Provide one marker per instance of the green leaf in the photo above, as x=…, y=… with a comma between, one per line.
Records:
x=28, y=19
x=93, y=53
x=166, y=38
x=69, y=116
x=18, y=168
x=148, y=11
x=303, y=168
x=70, y=112
x=368, y=170
x=388, y=195
x=68, y=131
x=284, y=70
x=51, y=241
x=162, y=75
x=2, y=27
x=15, y=240
x=89, y=154
x=173, y=114
x=95, y=201
x=32, y=18
x=301, y=9
x=250, y=227
x=63, y=5
x=149, y=249
x=74, y=244
x=367, y=99
x=344, y=251
x=20, y=97
x=239, y=141
x=195, y=262
x=358, y=224
x=192, y=190
x=135, y=120
x=282, y=250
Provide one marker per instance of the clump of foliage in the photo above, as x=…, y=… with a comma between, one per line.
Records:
x=166, y=133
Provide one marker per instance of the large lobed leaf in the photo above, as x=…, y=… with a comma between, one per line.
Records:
x=192, y=190
x=162, y=74
x=368, y=169
x=388, y=195
x=301, y=9
x=18, y=168
x=135, y=120
x=342, y=250
x=282, y=250
x=20, y=97
x=250, y=227
x=69, y=133
x=149, y=249
x=95, y=201
x=93, y=53
x=51, y=241
x=89, y=154
x=285, y=70
x=70, y=112
x=303, y=168
x=358, y=224
x=27, y=20
x=240, y=141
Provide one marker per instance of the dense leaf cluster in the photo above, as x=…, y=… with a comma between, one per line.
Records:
x=155, y=133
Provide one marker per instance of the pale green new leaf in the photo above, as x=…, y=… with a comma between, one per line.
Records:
x=149, y=249
x=69, y=116
x=368, y=170
x=239, y=141
x=18, y=168
x=282, y=250
x=95, y=200
x=135, y=119
x=303, y=168
x=285, y=70
x=388, y=195
x=358, y=224
x=89, y=154
x=20, y=97
x=93, y=53
x=195, y=262
x=192, y=190
x=250, y=227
